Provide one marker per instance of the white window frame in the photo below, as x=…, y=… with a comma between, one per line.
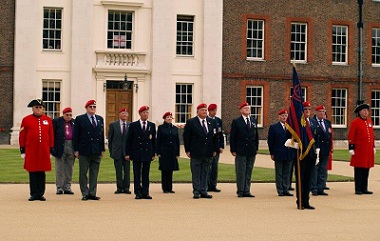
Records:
x=338, y=42
x=183, y=102
x=298, y=38
x=185, y=35
x=375, y=54
x=254, y=40
x=119, y=34
x=339, y=107
x=51, y=89
x=375, y=108
x=52, y=29
x=256, y=108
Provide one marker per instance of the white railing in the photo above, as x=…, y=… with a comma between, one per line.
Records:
x=113, y=58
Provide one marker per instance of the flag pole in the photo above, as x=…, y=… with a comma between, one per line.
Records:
x=298, y=181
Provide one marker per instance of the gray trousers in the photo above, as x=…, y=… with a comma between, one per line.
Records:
x=213, y=177
x=64, y=168
x=282, y=169
x=122, y=169
x=319, y=177
x=200, y=168
x=91, y=165
x=243, y=168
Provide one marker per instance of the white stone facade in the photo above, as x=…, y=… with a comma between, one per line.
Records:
x=84, y=63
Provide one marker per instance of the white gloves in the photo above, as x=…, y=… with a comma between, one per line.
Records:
x=290, y=143
x=352, y=152
x=374, y=150
x=23, y=155
x=317, y=152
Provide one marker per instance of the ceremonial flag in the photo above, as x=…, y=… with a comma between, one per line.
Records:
x=297, y=124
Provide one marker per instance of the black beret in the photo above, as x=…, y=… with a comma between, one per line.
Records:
x=36, y=102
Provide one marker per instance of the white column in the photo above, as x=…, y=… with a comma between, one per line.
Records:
x=28, y=41
x=212, y=52
x=83, y=84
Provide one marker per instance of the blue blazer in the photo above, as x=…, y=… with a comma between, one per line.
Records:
x=323, y=138
x=59, y=135
x=88, y=140
x=244, y=141
x=199, y=144
x=141, y=146
x=277, y=137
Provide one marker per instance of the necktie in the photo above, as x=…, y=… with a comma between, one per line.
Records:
x=248, y=123
x=204, y=127
x=144, y=126
x=123, y=128
x=321, y=124
x=93, y=121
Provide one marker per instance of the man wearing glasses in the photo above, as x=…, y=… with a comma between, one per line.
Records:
x=36, y=141
x=63, y=151
x=89, y=147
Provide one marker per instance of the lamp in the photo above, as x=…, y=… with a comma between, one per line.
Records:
x=127, y=85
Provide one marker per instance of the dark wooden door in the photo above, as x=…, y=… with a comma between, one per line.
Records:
x=117, y=99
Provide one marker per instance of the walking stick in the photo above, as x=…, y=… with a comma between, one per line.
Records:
x=299, y=182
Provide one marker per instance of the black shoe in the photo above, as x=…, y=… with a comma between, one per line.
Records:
x=280, y=194
x=240, y=195
x=171, y=191
x=32, y=198
x=118, y=191
x=206, y=195
x=248, y=195
x=308, y=207
x=147, y=197
x=59, y=192
x=314, y=193
x=127, y=192
x=367, y=192
x=322, y=193
x=93, y=198
x=288, y=194
x=196, y=196
x=68, y=192
x=166, y=191
x=358, y=193
x=291, y=189
x=85, y=198
x=326, y=188
x=138, y=196
x=214, y=190
x=42, y=198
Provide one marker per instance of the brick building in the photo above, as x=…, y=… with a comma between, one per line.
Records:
x=7, y=25
x=261, y=37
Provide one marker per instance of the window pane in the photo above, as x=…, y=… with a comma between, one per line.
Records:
x=254, y=98
x=183, y=102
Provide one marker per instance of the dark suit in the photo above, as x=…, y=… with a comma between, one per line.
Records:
x=168, y=150
x=277, y=137
x=141, y=149
x=201, y=147
x=117, y=144
x=63, y=153
x=322, y=137
x=244, y=142
x=307, y=165
x=89, y=142
x=213, y=177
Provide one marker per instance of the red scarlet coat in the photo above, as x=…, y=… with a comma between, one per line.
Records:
x=37, y=137
x=361, y=136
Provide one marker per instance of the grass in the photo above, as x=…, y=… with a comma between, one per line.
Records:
x=339, y=155
x=11, y=171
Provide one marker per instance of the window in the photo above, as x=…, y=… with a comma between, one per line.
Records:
x=52, y=28
x=51, y=95
x=298, y=42
x=375, y=107
x=303, y=92
x=339, y=107
x=255, y=39
x=339, y=44
x=183, y=102
x=376, y=46
x=255, y=99
x=119, y=35
x=185, y=32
